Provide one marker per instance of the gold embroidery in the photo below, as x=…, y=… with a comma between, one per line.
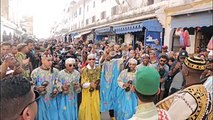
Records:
x=201, y=96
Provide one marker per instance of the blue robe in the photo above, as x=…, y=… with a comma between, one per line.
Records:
x=47, y=105
x=108, y=83
x=126, y=101
x=68, y=109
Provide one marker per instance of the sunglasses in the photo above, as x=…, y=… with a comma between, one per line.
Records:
x=37, y=97
x=71, y=65
x=91, y=59
x=163, y=61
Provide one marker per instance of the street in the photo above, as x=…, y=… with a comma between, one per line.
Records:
x=105, y=116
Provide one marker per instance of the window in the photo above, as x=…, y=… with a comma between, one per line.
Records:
x=102, y=1
x=114, y=10
x=150, y=2
x=80, y=11
x=93, y=4
x=103, y=15
x=75, y=14
x=87, y=21
x=87, y=8
x=93, y=19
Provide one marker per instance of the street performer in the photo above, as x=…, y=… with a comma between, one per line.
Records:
x=193, y=98
x=69, y=79
x=127, y=99
x=46, y=83
x=90, y=79
x=109, y=74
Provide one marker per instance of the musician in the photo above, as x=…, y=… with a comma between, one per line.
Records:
x=108, y=83
x=208, y=83
x=90, y=79
x=126, y=98
x=45, y=82
x=69, y=79
x=195, y=99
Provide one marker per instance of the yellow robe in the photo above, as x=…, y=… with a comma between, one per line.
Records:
x=90, y=105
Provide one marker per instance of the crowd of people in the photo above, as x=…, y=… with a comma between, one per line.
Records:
x=79, y=81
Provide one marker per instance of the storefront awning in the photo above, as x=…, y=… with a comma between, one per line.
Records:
x=73, y=34
x=199, y=19
x=86, y=32
x=77, y=36
x=150, y=25
x=80, y=34
x=103, y=31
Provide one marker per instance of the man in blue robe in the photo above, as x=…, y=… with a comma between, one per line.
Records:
x=67, y=100
x=108, y=83
x=126, y=102
x=45, y=82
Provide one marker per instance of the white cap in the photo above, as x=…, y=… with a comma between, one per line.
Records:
x=70, y=61
x=133, y=61
x=91, y=56
x=100, y=51
x=145, y=55
x=90, y=45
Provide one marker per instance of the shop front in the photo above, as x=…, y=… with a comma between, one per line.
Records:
x=10, y=32
x=104, y=34
x=82, y=36
x=146, y=31
x=71, y=36
x=198, y=25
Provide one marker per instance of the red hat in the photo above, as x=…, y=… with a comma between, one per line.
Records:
x=164, y=47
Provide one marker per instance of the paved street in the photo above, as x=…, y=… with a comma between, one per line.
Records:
x=105, y=116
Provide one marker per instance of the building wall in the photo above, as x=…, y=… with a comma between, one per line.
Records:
x=27, y=23
x=129, y=11
x=15, y=11
x=10, y=19
x=114, y=11
x=5, y=8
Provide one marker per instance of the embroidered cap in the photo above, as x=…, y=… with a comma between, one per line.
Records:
x=195, y=63
x=147, y=81
x=46, y=55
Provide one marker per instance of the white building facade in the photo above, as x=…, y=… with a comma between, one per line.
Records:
x=10, y=20
x=131, y=21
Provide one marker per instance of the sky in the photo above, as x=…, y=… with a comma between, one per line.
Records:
x=44, y=12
